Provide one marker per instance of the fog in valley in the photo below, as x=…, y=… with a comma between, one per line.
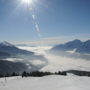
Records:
x=46, y=61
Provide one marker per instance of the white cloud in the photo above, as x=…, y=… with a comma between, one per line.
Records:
x=56, y=40
x=57, y=62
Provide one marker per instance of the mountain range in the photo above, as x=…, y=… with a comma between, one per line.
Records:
x=8, y=49
x=84, y=48
x=78, y=45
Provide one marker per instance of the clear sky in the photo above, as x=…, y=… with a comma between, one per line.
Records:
x=56, y=18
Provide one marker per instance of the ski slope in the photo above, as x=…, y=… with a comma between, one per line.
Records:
x=53, y=82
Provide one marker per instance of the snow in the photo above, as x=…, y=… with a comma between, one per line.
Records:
x=53, y=82
x=72, y=51
x=6, y=44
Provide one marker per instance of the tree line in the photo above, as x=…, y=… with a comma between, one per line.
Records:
x=41, y=73
x=32, y=74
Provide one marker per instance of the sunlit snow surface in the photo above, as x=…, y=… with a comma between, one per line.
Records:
x=57, y=62
x=46, y=83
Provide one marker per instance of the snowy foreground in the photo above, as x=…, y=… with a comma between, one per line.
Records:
x=46, y=83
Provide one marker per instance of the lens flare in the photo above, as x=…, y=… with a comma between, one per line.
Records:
x=31, y=9
x=27, y=1
x=36, y=25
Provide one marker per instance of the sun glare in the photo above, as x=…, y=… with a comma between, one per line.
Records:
x=27, y=1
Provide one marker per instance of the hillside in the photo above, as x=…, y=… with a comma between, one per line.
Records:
x=12, y=49
x=84, y=48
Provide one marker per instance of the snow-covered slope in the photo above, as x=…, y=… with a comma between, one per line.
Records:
x=46, y=83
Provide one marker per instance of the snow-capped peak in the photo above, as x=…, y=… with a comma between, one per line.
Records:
x=5, y=43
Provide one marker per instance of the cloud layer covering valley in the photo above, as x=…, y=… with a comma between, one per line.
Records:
x=58, y=62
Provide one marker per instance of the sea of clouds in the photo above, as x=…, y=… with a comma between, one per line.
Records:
x=57, y=62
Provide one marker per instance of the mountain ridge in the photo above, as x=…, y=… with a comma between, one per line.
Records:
x=13, y=50
x=81, y=47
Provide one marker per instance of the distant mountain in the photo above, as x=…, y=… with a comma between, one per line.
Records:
x=12, y=49
x=68, y=46
x=84, y=48
x=4, y=43
x=81, y=47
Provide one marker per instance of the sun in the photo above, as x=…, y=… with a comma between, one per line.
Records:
x=27, y=1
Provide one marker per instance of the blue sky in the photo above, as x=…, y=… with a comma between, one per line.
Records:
x=56, y=18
